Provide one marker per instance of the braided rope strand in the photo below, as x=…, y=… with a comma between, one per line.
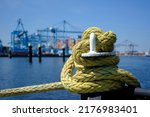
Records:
x=31, y=89
x=95, y=74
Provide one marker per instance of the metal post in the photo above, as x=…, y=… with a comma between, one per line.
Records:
x=126, y=93
x=142, y=93
x=40, y=53
x=9, y=53
x=63, y=54
x=30, y=52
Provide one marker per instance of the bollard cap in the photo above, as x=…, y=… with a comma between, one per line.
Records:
x=29, y=44
x=98, y=54
x=92, y=52
x=39, y=45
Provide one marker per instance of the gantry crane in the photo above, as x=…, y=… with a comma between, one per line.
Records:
x=19, y=38
x=129, y=47
x=50, y=35
x=57, y=31
x=47, y=37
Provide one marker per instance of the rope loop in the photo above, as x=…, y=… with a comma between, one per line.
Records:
x=95, y=74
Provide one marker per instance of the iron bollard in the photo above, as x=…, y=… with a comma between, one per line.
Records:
x=9, y=53
x=30, y=52
x=63, y=54
x=40, y=53
x=125, y=93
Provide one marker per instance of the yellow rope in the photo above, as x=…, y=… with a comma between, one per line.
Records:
x=31, y=89
x=94, y=74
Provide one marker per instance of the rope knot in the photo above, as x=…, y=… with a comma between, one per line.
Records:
x=95, y=74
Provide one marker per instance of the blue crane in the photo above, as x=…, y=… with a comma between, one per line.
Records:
x=59, y=31
x=19, y=39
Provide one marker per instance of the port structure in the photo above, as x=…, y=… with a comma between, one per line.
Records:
x=19, y=39
x=52, y=39
x=129, y=47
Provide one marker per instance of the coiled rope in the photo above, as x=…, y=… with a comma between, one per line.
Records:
x=94, y=74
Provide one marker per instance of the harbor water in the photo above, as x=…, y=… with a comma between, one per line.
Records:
x=18, y=72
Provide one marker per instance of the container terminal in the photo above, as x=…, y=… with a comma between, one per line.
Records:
x=53, y=40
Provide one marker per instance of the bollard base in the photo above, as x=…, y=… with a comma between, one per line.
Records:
x=126, y=93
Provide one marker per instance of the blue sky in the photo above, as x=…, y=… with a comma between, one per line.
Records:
x=129, y=19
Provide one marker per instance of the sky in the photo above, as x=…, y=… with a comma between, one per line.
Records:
x=129, y=19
